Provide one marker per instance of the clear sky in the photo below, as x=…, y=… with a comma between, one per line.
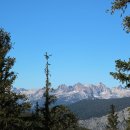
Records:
x=83, y=39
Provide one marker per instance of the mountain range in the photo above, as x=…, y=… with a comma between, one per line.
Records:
x=71, y=94
x=90, y=102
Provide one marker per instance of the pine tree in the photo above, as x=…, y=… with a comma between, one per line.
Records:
x=49, y=99
x=36, y=118
x=122, y=72
x=63, y=118
x=56, y=117
x=122, y=5
x=112, y=119
x=10, y=109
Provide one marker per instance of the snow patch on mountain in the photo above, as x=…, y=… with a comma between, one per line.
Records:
x=71, y=94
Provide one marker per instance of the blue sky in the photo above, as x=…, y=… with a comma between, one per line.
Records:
x=83, y=39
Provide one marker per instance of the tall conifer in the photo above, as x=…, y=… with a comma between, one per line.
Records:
x=49, y=99
x=57, y=117
x=112, y=119
x=10, y=107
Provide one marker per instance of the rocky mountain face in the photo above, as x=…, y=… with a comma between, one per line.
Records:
x=71, y=94
x=101, y=123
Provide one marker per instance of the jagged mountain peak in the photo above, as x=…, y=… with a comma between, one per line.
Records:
x=100, y=84
x=62, y=87
x=74, y=93
x=120, y=87
x=78, y=84
x=18, y=90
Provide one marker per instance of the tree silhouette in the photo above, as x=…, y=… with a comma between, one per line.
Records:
x=122, y=5
x=122, y=72
x=55, y=117
x=10, y=106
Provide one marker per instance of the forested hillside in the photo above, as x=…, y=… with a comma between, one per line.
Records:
x=86, y=109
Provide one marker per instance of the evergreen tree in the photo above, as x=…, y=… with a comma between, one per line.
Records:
x=123, y=75
x=122, y=5
x=37, y=110
x=112, y=119
x=49, y=99
x=46, y=95
x=122, y=72
x=36, y=121
x=10, y=108
x=63, y=118
x=55, y=117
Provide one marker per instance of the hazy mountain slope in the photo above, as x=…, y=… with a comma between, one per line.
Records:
x=86, y=109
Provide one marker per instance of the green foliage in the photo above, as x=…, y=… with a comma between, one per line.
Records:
x=62, y=118
x=48, y=98
x=122, y=72
x=55, y=117
x=123, y=75
x=122, y=5
x=10, y=109
x=112, y=119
